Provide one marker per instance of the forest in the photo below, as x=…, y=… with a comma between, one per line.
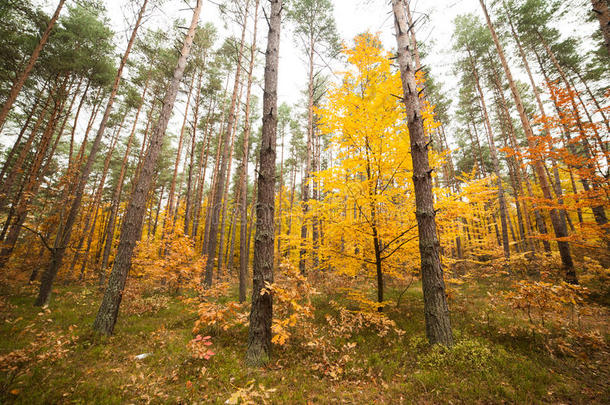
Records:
x=304, y=201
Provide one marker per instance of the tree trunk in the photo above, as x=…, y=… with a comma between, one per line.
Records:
x=97, y=197
x=438, y=325
x=19, y=164
x=169, y=209
x=244, y=246
x=308, y=163
x=494, y=160
x=36, y=174
x=134, y=215
x=189, y=199
x=116, y=194
x=279, y=216
x=202, y=168
x=225, y=197
x=24, y=128
x=261, y=314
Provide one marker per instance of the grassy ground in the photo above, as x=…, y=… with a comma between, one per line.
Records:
x=51, y=356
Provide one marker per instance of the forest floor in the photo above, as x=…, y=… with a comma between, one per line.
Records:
x=51, y=356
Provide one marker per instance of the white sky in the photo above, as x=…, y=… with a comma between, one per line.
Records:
x=352, y=17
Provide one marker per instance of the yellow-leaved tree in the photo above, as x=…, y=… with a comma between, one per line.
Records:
x=368, y=205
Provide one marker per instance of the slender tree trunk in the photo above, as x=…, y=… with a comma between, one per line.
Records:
x=116, y=194
x=20, y=80
x=24, y=128
x=225, y=197
x=600, y=110
x=154, y=227
x=281, y=203
x=216, y=206
x=76, y=116
x=36, y=174
x=308, y=162
x=494, y=160
x=292, y=190
x=97, y=197
x=202, y=168
x=244, y=245
x=169, y=209
x=17, y=167
x=132, y=223
x=189, y=199
x=261, y=314
x=438, y=325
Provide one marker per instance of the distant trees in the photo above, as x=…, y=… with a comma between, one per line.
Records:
x=22, y=77
x=317, y=35
x=65, y=230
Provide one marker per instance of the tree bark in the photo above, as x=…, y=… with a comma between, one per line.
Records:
x=244, y=246
x=600, y=8
x=189, y=199
x=261, y=314
x=169, y=209
x=134, y=215
x=308, y=163
x=116, y=194
x=438, y=325
x=225, y=197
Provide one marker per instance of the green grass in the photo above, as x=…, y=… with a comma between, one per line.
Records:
x=485, y=366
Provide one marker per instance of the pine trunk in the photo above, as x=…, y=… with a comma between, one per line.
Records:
x=438, y=325
x=134, y=215
x=244, y=246
x=261, y=314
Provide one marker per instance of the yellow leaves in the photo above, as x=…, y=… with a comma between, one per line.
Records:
x=370, y=185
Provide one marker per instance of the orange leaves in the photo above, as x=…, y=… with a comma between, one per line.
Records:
x=292, y=310
x=223, y=316
x=557, y=312
x=171, y=263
